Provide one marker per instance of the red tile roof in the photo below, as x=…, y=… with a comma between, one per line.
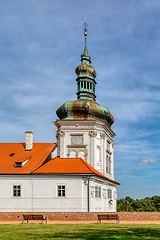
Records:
x=69, y=166
x=36, y=157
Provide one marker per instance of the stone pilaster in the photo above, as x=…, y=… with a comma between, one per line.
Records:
x=92, y=135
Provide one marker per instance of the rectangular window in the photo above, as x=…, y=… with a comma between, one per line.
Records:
x=99, y=153
x=61, y=191
x=17, y=191
x=108, y=146
x=108, y=164
x=109, y=194
x=77, y=140
x=97, y=192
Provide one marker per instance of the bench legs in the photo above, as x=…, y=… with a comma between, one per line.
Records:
x=117, y=220
x=45, y=219
x=98, y=220
x=24, y=220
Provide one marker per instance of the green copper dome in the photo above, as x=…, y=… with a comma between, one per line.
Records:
x=85, y=107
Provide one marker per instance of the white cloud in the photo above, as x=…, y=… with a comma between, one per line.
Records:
x=146, y=162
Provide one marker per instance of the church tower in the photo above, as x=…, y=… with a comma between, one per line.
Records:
x=78, y=170
x=84, y=126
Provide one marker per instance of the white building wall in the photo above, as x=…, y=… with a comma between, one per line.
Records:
x=39, y=194
x=103, y=203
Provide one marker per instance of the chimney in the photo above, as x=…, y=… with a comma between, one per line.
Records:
x=29, y=140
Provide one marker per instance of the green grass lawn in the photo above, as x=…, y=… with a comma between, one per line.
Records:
x=77, y=231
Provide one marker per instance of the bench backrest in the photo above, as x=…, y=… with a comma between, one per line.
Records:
x=107, y=216
x=32, y=217
x=112, y=216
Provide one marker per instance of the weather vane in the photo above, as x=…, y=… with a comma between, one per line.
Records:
x=85, y=29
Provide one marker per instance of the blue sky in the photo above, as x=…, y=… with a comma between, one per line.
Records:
x=40, y=46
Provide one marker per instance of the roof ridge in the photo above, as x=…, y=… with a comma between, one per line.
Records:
x=44, y=157
x=86, y=164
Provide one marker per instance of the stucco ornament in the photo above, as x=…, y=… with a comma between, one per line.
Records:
x=92, y=192
x=102, y=135
x=115, y=195
x=60, y=134
x=92, y=134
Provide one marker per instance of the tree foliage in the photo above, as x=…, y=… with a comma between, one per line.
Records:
x=147, y=204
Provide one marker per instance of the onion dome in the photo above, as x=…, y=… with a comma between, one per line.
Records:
x=85, y=107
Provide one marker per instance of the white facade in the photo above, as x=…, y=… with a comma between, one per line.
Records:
x=89, y=139
x=39, y=193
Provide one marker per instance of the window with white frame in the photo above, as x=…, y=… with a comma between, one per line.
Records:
x=97, y=192
x=16, y=190
x=61, y=190
x=109, y=193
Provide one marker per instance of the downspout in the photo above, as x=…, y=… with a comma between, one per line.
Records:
x=88, y=192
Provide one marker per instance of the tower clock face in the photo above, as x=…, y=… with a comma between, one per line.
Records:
x=77, y=140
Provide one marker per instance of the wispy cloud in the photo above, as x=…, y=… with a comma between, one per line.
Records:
x=146, y=162
x=117, y=169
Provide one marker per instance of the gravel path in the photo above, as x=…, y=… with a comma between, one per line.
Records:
x=82, y=222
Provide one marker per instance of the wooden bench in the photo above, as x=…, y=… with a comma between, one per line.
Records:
x=109, y=216
x=33, y=217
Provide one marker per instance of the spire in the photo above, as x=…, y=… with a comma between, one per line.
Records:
x=86, y=74
x=85, y=57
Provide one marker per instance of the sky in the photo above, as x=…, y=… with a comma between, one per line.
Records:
x=41, y=42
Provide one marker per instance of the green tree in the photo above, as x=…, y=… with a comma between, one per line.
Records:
x=156, y=201
x=143, y=205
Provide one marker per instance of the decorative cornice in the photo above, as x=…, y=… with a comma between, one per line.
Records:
x=76, y=146
x=76, y=134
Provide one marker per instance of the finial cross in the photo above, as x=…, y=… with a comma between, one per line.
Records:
x=85, y=24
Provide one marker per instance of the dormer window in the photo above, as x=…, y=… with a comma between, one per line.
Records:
x=18, y=164
x=21, y=164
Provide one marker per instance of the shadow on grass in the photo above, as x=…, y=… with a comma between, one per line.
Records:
x=88, y=232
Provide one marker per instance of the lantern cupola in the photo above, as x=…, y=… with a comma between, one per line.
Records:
x=85, y=74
